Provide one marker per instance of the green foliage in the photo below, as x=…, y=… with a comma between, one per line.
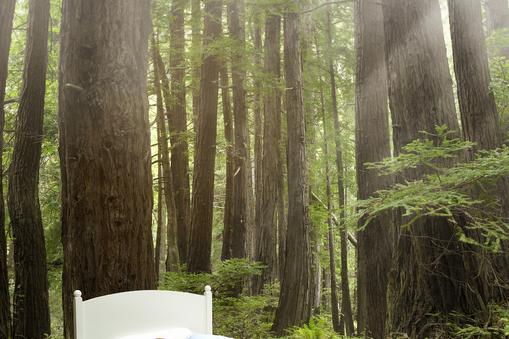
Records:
x=318, y=328
x=495, y=326
x=236, y=316
x=457, y=192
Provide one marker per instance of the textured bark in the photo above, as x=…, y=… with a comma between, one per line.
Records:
x=230, y=165
x=346, y=303
x=177, y=118
x=373, y=144
x=295, y=306
x=105, y=150
x=172, y=250
x=497, y=13
x=6, y=18
x=267, y=221
x=479, y=116
x=433, y=271
x=31, y=317
x=236, y=28
x=203, y=181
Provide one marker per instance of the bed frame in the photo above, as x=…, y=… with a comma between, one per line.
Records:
x=122, y=314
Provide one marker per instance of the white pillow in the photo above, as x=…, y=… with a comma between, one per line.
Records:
x=174, y=333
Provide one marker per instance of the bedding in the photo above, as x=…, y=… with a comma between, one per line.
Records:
x=174, y=333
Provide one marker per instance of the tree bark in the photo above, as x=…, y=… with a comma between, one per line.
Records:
x=6, y=17
x=266, y=251
x=105, y=150
x=346, y=303
x=295, y=306
x=479, y=116
x=172, y=238
x=236, y=28
x=31, y=318
x=433, y=271
x=373, y=144
x=177, y=118
x=203, y=181
x=230, y=165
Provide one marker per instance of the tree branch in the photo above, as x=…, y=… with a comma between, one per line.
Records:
x=351, y=238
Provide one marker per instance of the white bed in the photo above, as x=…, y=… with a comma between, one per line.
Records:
x=120, y=315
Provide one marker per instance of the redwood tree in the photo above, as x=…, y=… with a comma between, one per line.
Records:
x=433, y=271
x=266, y=208
x=31, y=317
x=295, y=302
x=6, y=17
x=372, y=144
x=105, y=149
x=479, y=116
x=346, y=304
x=203, y=181
x=177, y=118
x=236, y=28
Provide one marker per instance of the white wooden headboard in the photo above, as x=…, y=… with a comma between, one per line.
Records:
x=122, y=314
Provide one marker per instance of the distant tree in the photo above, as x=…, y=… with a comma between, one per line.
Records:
x=177, y=118
x=31, y=318
x=373, y=144
x=230, y=165
x=6, y=18
x=331, y=274
x=236, y=28
x=497, y=12
x=105, y=150
x=203, y=181
x=295, y=302
x=168, y=191
x=266, y=208
x=346, y=304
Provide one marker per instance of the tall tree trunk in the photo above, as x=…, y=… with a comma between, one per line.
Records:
x=6, y=17
x=105, y=150
x=196, y=58
x=160, y=216
x=497, y=13
x=266, y=251
x=203, y=181
x=295, y=306
x=177, y=118
x=330, y=225
x=479, y=116
x=346, y=303
x=258, y=129
x=433, y=271
x=230, y=165
x=373, y=144
x=236, y=28
x=172, y=253
x=31, y=317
